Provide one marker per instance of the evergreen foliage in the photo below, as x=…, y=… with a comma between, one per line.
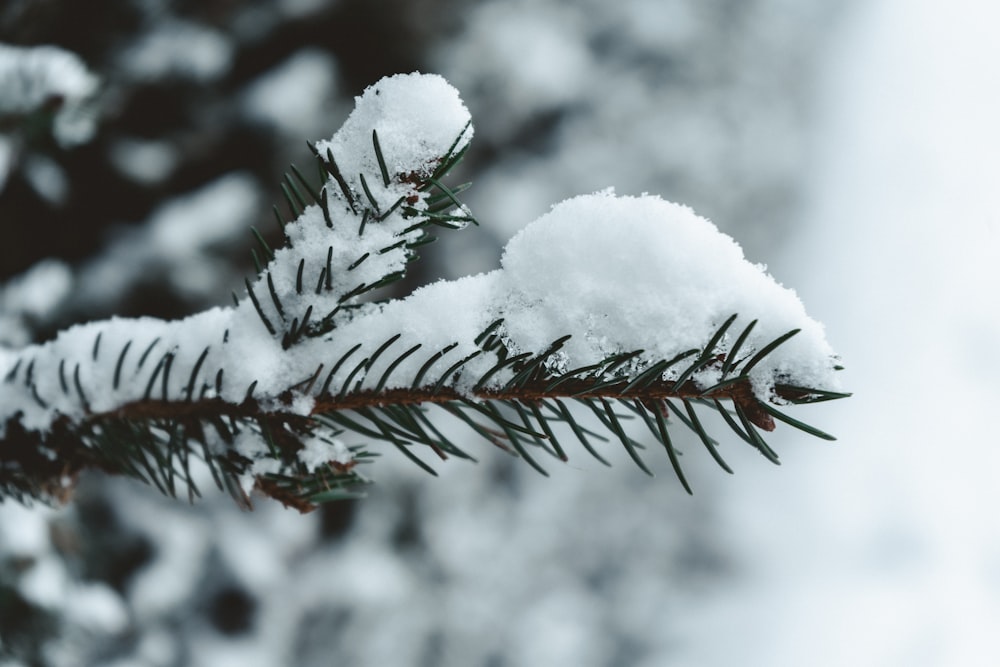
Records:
x=529, y=405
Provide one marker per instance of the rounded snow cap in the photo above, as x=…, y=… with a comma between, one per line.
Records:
x=418, y=118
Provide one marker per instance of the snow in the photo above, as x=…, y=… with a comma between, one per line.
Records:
x=177, y=568
x=33, y=295
x=32, y=77
x=38, y=291
x=36, y=570
x=641, y=273
x=418, y=117
x=201, y=219
x=176, y=243
x=24, y=531
x=617, y=274
x=687, y=99
x=96, y=608
x=47, y=178
x=317, y=453
x=294, y=96
x=630, y=544
x=182, y=49
x=530, y=65
x=145, y=161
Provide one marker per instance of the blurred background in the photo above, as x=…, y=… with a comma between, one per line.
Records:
x=853, y=147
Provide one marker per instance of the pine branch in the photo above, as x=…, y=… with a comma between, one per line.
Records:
x=269, y=393
x=531, y=388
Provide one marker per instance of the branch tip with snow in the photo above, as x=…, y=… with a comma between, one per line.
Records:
x=604, y=309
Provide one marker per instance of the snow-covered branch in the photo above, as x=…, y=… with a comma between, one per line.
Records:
x=49, y=89
x=47, y=78
x=604, y=304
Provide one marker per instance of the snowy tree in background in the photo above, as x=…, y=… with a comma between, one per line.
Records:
x=156, y=554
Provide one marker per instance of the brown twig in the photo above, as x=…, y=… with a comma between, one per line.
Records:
x=47, y=464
